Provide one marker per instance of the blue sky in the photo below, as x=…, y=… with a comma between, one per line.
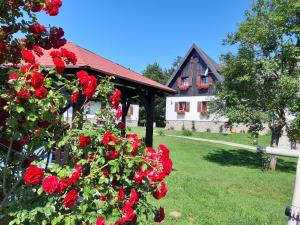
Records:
x=135, y=33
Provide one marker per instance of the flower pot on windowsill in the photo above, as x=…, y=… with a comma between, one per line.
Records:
x=183, y=87
x=180, y=112
x=203, y=86
x=204, y=113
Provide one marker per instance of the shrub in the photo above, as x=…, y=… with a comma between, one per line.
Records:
x=161, y=132
x=108, y=177
x=187, y=133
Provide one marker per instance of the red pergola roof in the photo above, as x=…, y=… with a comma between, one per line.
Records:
x=103, y=65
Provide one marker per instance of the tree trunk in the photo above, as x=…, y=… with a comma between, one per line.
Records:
x=274, y=143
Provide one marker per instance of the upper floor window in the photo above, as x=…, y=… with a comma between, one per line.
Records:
x=204, y=79
x=185, y=81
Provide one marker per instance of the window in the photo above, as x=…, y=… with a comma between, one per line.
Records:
x=182, y=106
x=203, y=108
x=204, y=79
x=185, y=81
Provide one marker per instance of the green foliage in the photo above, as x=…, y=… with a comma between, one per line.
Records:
x=161, y=132
x=155, y=72
x=186, y=132
x=262, y=80
x=228, y=179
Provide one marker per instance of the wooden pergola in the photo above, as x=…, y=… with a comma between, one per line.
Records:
x=135, y=88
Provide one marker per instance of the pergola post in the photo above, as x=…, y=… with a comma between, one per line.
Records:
x=148, y=101
x=125, y=106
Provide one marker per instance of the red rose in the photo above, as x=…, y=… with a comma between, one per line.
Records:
x=37, y=29
x=139, y=176
x=134, y=198
x=70, y=199
x=74, y=97
x=100, y=220
x=105, y=172
x=84, y=141
x=37, y=80
x=121, y=125
x=76, y=174
x=13, y=76
x=158, y=194
x=38, y=50
x=63, y=184
x=129, y=215
x=59, y=64
x=108, y=138
x=28, y=56
x=115, y=99
x=118, y=113
x=89, y=86
x=112, y=154
x=160, y=216
x=83, y=77
x=71, y=57
x=121, y=194
x=102, y=198
x=33, y=175
x=24, y=140
x=40, y=93
x=52, y=7
x=23, y=94
x=134, y=140
x=50, y=184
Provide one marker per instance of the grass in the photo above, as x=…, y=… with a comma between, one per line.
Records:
x=216, y=184
x=240, y=138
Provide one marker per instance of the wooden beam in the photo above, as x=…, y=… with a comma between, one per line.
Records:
x=125, y=101
x=148, y=101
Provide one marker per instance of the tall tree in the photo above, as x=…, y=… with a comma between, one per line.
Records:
x=262, y=79
x=155, y=72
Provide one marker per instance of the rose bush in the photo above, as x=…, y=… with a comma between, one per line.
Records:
x=107, y=178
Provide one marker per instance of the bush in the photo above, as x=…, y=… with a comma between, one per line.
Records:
x=208, y=130
x=161, y=132
x=187, y=133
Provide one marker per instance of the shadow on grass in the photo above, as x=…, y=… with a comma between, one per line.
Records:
x=245, y=158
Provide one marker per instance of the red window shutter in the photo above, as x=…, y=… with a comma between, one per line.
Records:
x=176, y=106
x=187, y=107
x=179, y=81
x=190, y=81
x=204, y=107
x=210, y=80
x=198, y=80
x=131, y=110
x=199, y=107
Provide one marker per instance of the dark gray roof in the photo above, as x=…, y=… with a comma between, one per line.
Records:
x=211, y=64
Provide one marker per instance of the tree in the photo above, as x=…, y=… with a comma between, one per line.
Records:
x=262, y=79
x=155, y=72
x=107, y=177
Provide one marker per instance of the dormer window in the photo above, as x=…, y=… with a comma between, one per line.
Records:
x=185, y=81
x=204, y=82
x=204, y=79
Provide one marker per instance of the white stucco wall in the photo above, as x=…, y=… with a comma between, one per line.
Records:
x=92, y=107
x=193, y=114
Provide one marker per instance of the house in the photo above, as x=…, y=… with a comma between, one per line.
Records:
x=194, y=80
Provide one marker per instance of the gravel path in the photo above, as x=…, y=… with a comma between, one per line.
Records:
x=215, y=142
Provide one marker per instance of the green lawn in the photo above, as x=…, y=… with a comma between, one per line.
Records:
x=263, y=140
x=217, y=184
